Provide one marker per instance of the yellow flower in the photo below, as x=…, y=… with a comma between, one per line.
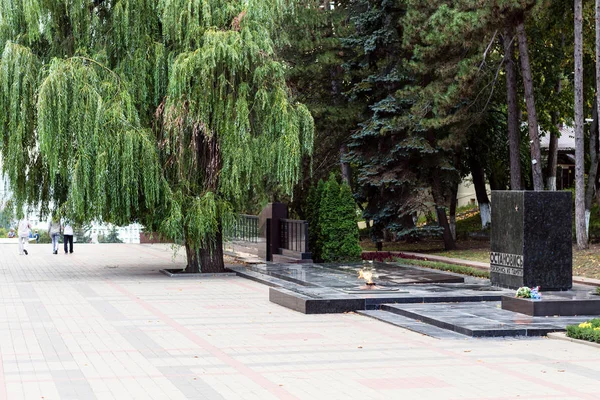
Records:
x=585, y=325
x=597, y=328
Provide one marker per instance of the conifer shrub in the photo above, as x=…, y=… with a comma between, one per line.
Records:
x=312, y=216
x=333, y=230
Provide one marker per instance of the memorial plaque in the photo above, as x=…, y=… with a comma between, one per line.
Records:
x=531, y=241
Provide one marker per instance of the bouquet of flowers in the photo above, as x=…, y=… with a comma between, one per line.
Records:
x=529, y=293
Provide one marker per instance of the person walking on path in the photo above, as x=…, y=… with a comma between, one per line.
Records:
x=24, y=229
x=68, y=236
x=54, y=232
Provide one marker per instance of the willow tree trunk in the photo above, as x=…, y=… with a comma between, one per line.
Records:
x=582, y=242
x=211, y=258
x=514, y=135
x=192, y=260
x=536, y=165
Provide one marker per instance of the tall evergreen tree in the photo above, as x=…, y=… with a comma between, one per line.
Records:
x=315, y=56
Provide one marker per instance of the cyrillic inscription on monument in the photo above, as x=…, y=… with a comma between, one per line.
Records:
x=504, y=263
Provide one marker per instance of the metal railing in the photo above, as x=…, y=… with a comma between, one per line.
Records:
x=293, y=235
x=245, y=228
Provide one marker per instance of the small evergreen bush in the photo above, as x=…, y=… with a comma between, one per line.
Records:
x=333, y=230
x=312, y=216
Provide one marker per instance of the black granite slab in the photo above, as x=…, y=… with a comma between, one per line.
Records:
x=412, y=324
x=482, y=319
x=563, y=304
x=531, y=240
x=310, y=305
x=346, y=275
x=331, y=300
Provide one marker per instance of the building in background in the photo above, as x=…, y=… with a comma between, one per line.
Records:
x=127, y=234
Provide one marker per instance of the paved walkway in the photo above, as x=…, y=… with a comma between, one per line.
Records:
x=103, y=323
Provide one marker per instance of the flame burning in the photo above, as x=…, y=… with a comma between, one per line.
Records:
x=366, y=275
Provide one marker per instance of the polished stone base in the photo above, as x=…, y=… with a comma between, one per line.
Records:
x=324, y=301
x=442, y=310
x=565, y=306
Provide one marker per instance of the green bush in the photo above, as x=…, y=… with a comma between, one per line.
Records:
x=468, y=225
x=44, y=237
x=312, y=216
x=112, y=237
x=594, y=223
x=333, y=230
x=3, y=232
x=589, y=331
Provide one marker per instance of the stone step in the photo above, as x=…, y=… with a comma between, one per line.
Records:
x=280, y=258
x=265, y=279
x=412, y=324
x=485, y=319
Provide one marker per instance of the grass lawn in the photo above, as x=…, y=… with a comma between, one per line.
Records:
x=586, y=263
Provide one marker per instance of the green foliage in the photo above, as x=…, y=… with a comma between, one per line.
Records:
x=459, y=269
x=5, y=219
x=173, y=113
x=312, y=216
x=338, y=231
x=44, y=237
x=594, y=233
x=312, y=49
x=111, y=237
x=3, y=232
x=468, y=225
x=589, y=330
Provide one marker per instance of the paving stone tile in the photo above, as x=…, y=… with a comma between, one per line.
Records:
x=104, y=323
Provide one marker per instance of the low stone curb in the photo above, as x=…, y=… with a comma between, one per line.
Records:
x=563, y=336
x=197, y=276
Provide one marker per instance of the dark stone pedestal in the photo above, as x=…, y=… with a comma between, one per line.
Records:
x=531, y=243
x=268, y=229
x=552, y=307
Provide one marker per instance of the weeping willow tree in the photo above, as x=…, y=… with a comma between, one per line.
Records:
x=174, y=113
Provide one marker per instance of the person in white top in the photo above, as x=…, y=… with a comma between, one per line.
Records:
x=24, y=227
x=68, y=236
x=54, y=232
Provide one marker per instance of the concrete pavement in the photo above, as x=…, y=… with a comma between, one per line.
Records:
x=102, y=323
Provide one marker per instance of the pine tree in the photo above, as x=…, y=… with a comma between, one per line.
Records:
x=315, y=56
